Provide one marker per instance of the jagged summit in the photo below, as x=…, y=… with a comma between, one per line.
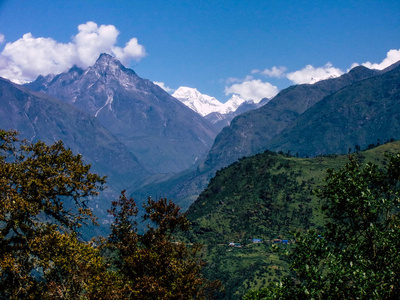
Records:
x=162, y=132
x=204, y=104
x=108, y=64
x=200, y=103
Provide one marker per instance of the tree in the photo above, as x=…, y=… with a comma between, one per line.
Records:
x=152, y=265
x=43, y=200
x=356, y=256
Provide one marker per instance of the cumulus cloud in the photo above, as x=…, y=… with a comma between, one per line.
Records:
x=132, y=50
x=29, y=57
x=309, y=74
x=163, y=86
x=277, y=72
x=391, y=57
x=252, y=90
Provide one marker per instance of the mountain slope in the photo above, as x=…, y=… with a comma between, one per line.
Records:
x=40, y=117
x=265, y=197
x=250, y=132
x=163, y=133
x=222, y=120
x=360, y=114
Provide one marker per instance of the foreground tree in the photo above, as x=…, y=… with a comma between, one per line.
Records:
x=357, y=256
x=152, y=265
x=43, y=200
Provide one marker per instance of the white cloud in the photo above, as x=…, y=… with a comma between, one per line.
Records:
x=277, y=72
x=309, y=74
x=2, y=37
x=252, y=90
x=29, y=57
x=132, y=50
x=163, y=86
x=391, y=57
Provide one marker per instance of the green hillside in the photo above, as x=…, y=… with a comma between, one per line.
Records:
x=265, y=197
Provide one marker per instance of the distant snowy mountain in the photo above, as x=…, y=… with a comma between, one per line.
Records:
x=219, y=114
x=200, y=103
x=204, y=104
x=232, y=104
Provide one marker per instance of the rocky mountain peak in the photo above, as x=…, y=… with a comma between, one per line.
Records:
x=107, y=65
x=164, y=134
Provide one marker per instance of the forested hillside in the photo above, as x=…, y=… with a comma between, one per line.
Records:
x=267, y=196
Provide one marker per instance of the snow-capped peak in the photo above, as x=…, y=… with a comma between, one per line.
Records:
x=204, y=104
x=232, y=104
x=200, y=103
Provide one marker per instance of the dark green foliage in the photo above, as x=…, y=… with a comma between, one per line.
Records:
x=43, y=201
x=43, y=194
x=262, y=196
x=265, y=196
x=152, y=265
x=356, y=255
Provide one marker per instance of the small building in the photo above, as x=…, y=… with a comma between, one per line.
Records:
x=257, y=240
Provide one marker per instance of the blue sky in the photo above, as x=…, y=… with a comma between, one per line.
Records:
x=252, y=48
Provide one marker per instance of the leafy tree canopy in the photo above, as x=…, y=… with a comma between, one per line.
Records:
x=153, y=265
x=37, y=183
x=43, y=200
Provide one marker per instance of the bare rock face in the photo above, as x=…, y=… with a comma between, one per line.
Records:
x=163, y=133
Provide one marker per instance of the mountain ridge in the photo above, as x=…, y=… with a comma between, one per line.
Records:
x=163, y=133
x=288, y=105
x=218, y=113
x=250, y=132
x=38, y=116
x=357, y=115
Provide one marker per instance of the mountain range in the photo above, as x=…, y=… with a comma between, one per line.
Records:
x=251, y=132
x=364, y=113
x=37, y=116
x=234, y=188
x=218, y=113
x=164, y=134
x=151, y=143
x=295, y=109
